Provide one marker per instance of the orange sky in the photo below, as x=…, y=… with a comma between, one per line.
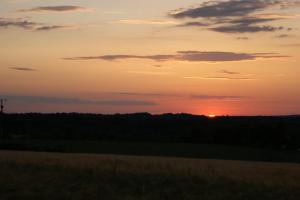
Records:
x=230, y=57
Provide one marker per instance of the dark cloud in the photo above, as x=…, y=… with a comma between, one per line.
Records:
x=230, y=8
x=243, y=38
x=146, y=94
x=20, y=23
x=30, y=25
x=59, y=100
x=190, y=56
x=220, y=78
x=55, y=9
x=54, y=27
x=247, y=25
x=194, y=96
x=229, y=72
x=174, y=95
x=158, y=66
x=126, y=103
x=197, y=56
x=224, y=8
x=122, y=57
x=240, y=28
x=235, y=16
x=193, y=24
x=246, y=21
x=212, y=97
x=283, y=36
x=23, y=69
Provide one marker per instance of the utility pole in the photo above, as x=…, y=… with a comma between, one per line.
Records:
x=2, y=105
x=2, y=129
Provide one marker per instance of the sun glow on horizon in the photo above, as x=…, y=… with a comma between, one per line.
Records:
x=211, y=116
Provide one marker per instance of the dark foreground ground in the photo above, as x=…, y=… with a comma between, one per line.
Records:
x=274, y=139
x=280, y=133
x=184, y=150
x=28, y=175
x=88, y=162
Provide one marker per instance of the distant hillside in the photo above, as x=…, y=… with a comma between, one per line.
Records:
x=264, y=132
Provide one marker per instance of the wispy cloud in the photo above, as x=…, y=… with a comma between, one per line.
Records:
x=242, y=38
x=31, y=25
x=63, y=101
x=219, y=78
x=66, y=8
x=177, y=95
x=56, y=27
x=193, y=23
x=283, y=36
x=146, y=94
x=229, y=72
x=189, y=56
x=145, y=22
x=154, y=73
x=19, y=23
x=236, y=16
x=212, y=97
x=26, y=69
x=241, y=28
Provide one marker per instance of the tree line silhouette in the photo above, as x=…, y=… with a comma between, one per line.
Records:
x=269, y=132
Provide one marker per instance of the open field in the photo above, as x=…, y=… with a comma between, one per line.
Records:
x=28, y=175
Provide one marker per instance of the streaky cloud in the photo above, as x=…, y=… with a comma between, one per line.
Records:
x=30, y=25
x=188, y=56
x=197, y=24
x=64, y=101
x=26, y=69
x=55, y=27
x=212, y=97
x=283, y=36
x=153, y=73
x=236, y=16
x=245, y=29
x=145, y=94
x=177, y=95
x=229, y=72
x=219, y=78
x=145, y=22
x=230, y=8
x=19, y=23
x=66, y=8
x=242, y=38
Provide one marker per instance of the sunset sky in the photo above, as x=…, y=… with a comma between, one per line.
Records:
x=230, y=57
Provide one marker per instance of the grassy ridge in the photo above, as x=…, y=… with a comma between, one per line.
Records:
x=26, y=175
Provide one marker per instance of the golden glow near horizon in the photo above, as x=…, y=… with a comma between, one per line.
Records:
x=124, y=56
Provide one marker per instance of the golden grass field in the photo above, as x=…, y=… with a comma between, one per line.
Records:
x=257, y=172
x=60, y=176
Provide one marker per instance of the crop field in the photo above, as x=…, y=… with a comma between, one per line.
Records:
x=38, y=175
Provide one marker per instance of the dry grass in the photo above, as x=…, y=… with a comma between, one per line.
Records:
x=273, y=174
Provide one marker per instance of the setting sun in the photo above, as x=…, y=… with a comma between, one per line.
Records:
x=211, y=116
